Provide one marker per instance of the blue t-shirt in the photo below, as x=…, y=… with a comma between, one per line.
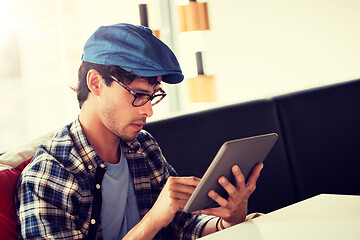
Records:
x=119, y=210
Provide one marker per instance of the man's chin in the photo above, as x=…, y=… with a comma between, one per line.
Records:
x=129, y=138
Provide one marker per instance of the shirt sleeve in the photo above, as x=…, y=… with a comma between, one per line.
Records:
x=193, y=225
x=45, y=202
x=186, y=226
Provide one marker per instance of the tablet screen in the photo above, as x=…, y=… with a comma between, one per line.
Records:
x=245, y=152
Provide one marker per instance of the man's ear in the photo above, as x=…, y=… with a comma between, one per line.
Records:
x=94, y=81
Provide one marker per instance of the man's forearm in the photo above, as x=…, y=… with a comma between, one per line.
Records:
x=147, y=228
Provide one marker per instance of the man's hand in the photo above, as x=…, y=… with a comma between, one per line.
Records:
x=173, y=198
x=234, y=209
x=178, y=190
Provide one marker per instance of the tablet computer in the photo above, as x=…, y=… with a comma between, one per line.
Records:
x=245, y=152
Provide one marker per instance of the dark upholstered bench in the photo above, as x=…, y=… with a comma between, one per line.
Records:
x=317, y=151
x=321, y=129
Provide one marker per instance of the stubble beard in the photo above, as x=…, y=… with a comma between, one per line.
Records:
x=126, y=133
x=124, y=136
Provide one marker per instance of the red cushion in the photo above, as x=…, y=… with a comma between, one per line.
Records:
x=8, y=181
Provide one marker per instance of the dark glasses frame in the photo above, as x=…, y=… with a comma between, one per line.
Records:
x=141, y=99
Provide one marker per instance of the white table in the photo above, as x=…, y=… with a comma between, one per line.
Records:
x=322, y=217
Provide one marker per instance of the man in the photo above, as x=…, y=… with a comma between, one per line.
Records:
x=102, y=176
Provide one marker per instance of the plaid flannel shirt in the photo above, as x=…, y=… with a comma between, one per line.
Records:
x=58, y=193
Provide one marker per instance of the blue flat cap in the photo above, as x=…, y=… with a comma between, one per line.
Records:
x=135, y=49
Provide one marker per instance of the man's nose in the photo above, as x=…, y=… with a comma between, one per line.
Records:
x=146, y=109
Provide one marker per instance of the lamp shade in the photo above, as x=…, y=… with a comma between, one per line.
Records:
x=194, y=17
x=202, y=88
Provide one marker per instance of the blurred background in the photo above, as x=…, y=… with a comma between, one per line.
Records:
x=250, y=50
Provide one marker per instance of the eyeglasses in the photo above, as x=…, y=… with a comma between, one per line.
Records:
x=141, y=99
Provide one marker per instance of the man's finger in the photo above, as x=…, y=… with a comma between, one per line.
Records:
x=230, y=189
x=239, y=177
x=183, y=185
x=179, y=195
x=217, y=198
x=191, y=181
x=254, y=176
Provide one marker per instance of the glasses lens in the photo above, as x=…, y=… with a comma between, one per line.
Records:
x=141, y=100
x=157, y=99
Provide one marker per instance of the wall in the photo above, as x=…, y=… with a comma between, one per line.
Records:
x=50, y=35
x=255, y=49
x=264, y=48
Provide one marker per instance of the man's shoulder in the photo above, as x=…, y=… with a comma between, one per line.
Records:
x=50, y=150
x=147, y=141
x=55, y=161
x=145, y=136
x=45, y=165
x=59, y=147
x=57, y=151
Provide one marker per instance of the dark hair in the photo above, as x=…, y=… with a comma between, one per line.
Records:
x=105, y=71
